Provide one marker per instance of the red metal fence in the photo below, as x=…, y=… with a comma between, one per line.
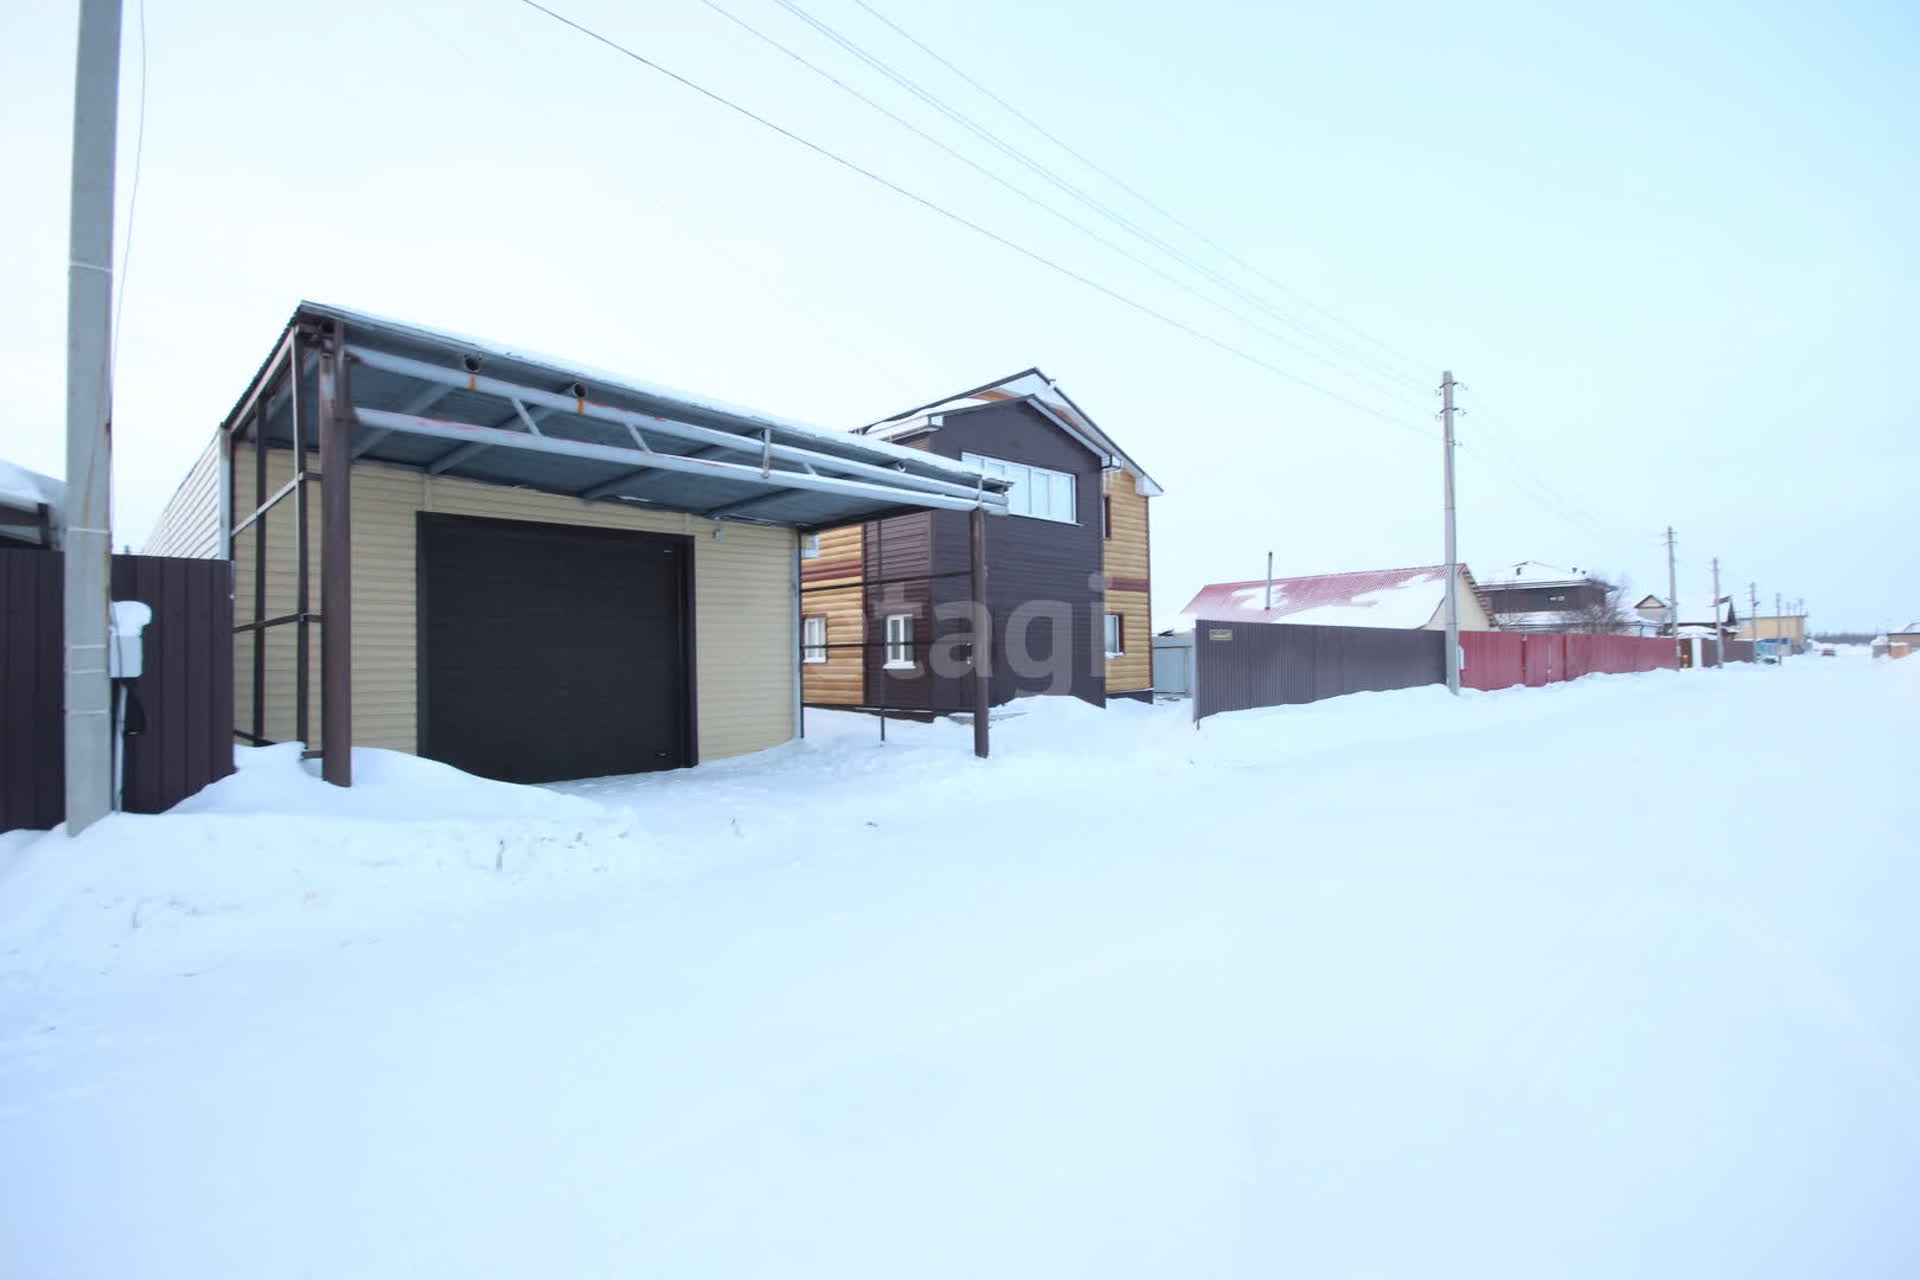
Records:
x=1502, y=659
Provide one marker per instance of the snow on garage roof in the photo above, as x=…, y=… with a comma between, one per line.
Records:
x=24, y=490
x=506, y=416
x=1405, y=599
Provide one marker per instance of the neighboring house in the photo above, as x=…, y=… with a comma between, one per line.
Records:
x=1699, y=615
x=30, y=506
x=1899, y=643
x=516, y=565
x=1402, y=599
x=1068, y=582
x=1543, y=597
x=1792, y=629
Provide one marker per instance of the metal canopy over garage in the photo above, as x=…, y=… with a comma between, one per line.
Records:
x=350, y=387
x=460, y=407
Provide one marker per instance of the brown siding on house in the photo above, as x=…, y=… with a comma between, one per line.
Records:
x=1030, y=561
x=1125, y=562
x=830, y=588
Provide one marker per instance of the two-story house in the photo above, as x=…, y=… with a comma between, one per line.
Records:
x=1543, y=597
x=1068, y=581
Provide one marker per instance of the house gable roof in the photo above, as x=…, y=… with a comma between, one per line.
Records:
x=1405, y=599
x=1031, y=386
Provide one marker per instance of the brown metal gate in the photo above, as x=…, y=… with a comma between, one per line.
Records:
x=1240, y=665
x=185, y=692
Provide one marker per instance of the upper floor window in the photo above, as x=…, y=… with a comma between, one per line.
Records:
x=1036, y=491
x=809, y=545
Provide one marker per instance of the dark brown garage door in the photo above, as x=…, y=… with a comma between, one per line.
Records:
x=553, y=651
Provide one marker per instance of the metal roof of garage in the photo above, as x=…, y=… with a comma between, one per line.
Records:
x=457, y=406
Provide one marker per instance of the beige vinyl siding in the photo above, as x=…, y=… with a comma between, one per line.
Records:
x=1125, y=557
x=189, y=526
x=744, y=630
x=1472, y=616
x=282, y=583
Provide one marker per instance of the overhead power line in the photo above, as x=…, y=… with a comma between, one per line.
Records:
x=1001, y=180
x=1078, y=193
x=962, y=220
x=1142, y=197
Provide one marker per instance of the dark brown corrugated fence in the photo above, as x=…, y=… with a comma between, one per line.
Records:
x=1239, y=665
x=186, y=690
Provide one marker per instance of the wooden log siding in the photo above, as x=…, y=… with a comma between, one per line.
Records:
x=1128, y=582
x=840, y=565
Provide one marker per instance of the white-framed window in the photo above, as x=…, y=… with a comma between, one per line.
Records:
x=809, y=545
x=1036, y=491
x=813, y=638
x=899, y=640
x=1116, y=634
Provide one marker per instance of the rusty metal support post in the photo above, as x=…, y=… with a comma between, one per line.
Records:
x=334, y=410
x=259, y=574
x=303, y=553
x=983, y=627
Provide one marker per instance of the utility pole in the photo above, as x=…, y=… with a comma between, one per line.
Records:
x=1719, y=632
x=1753, y=610
x=89, y=529
x=1447, y=384
x=1673, y=597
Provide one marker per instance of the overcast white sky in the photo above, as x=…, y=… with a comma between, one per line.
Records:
x=1669, y=248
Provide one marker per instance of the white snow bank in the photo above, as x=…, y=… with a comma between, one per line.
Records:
x=1392, y=985
x=271, y=855
x=389, y=785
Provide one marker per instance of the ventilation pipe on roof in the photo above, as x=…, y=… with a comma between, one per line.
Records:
x=1269, y=604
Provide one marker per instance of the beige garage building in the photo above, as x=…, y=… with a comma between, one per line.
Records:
x=533, y=571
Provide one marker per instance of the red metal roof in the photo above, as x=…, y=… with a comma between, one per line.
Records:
x=1402, y=598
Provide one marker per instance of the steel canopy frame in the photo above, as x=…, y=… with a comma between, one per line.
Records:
x=314, y=358
x=810, y=462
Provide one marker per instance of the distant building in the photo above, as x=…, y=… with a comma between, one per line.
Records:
x=1792, y=629
x=1405, y=599
x=1544, y=597
x=1898, y=644
x=1700, y=614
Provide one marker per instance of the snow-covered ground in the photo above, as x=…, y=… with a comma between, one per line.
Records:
x=1613, y=978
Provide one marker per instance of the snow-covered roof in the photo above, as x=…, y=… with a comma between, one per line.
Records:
x=1694, y=611
x=1404, y=599
x=1035, y=387
x=24, y=490
x=1534, y=573
x=604, y=380
x=502, y=415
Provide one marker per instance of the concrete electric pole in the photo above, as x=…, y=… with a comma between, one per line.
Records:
x=89, y=532
x=1673, y=596
x=1447, y=384
x=1719, y=633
